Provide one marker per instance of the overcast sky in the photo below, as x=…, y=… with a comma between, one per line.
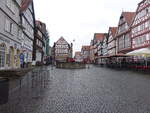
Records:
x=80, y=19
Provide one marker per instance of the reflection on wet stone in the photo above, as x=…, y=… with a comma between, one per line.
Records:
x=23, y=92
x=93, y=90
x=4, y=88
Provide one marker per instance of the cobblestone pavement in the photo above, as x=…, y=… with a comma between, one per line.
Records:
x=93, y=90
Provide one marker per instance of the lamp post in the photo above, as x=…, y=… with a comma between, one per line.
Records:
x=72, y=46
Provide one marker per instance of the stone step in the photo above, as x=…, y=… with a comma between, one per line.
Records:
x=14, y=72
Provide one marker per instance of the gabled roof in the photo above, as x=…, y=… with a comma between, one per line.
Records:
x=86, y=48
x=113, y=30
x=129, y=16
x=60, y=40
x=99, y=36
x=137, y=10
x=141, y=2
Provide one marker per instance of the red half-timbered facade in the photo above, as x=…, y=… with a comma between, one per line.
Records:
x=140, y=28
x=85, y=52
x=123, y=33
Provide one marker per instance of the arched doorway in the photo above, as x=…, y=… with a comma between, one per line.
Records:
x=2, y=55
x=11, y=57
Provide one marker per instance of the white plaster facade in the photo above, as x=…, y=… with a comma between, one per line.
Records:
x=10, y=39
x=13, y=38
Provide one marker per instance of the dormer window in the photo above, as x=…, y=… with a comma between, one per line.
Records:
x=121, y=19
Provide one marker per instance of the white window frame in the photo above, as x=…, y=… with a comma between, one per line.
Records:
x=2, y=55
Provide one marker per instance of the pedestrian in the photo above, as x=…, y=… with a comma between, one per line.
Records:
x=22, y=60
x=88, y=66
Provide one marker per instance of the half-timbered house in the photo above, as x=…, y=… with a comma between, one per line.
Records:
x=140, y=31
x=63, y=50
x=123, y=33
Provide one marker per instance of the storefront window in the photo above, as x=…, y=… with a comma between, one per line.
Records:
x=18, y=58
x=8, y=59
x=2, y=55
x=11, y=56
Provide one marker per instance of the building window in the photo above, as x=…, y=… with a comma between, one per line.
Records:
x=8, y=59
x=147, y=37
x=9, y=26
x=20, y=35
x=2, y=55
x=127, y=41
x=147, y=11
x=121, y=42
x=23, y=20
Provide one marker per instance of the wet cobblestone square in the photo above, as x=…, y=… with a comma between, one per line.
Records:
x=93, y=90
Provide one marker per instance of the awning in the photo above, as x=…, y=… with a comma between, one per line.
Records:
x=144, y=52
x=119, y=55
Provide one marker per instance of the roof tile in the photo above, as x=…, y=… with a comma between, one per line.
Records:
x=128, y=16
